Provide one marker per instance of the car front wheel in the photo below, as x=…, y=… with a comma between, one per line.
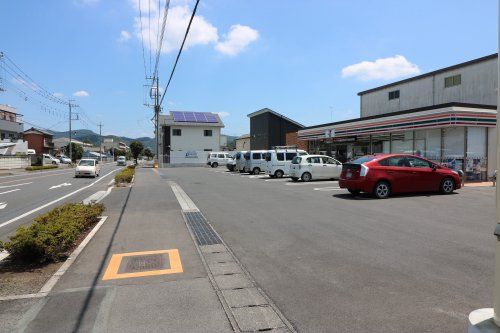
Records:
x=382, y=190
x=278, y=174
x=256, y=171
x=215, y=165
x=306, y=177
x=447, y=186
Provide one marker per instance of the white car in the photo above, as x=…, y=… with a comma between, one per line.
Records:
x=121, y=160
x=231, y=165
x=310, y=167
x=278, y=161
x=255, y=161
x=87, y=167
x=64, y=159
x=219, y=158
x=240, y=160
x=49, y=159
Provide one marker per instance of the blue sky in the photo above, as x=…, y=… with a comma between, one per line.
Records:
x=304, y=59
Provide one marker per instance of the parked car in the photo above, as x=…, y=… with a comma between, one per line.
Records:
x=49, y=159
x=278, y=161
x=121, y=160
x=309, y=167
x=384, y=174
x=87, y=167
x=240, y=160
x=231, y=164
x=64, y=159
x=218, y=158
x=255, y=161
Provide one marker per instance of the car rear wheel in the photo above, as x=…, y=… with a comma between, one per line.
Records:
x=382, y=190
x=306, y=177
x=256, y=171
x=447, y=186
x=278, y=174
x=354, y=192
x=215, y=165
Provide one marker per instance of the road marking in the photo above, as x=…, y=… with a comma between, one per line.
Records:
x=60, y=185
x=277, y=180
x=3, y=205
x=111, y=182
x=17, y=189
x=325, y=189
x=56, y=200
x=7, y=186
x=42, y=176
x=116, y=259
x=97, y=197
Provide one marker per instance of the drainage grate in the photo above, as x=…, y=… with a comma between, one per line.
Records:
x=145, y=263
x=202, y=231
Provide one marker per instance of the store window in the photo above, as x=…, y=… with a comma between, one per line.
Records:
x=381, y=143
x=476, y=160
x=394, y=94
x=453, y=148
x=451, y=81
x=428, y=144
x=402, y=143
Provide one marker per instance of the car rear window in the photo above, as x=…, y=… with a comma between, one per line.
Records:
x=362, y=160
x=267, y=156
x=280, y=156
x=296, y=160
x=256, y=156
x=290, y=156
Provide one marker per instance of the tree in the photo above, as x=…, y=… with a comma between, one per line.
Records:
x=76, y=151
x=119, y=152
x=148, y=153
x=136, y=149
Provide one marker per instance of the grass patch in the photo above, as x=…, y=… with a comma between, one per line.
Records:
x=52, y=235
x=125, y=176
x=41, y=167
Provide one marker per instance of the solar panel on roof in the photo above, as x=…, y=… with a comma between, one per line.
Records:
x=211, y=118
x=200, y=118
x=178, y=116
x=190, y=116
x=194, y=117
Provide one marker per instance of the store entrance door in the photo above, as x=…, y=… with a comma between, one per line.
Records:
x=339, y=152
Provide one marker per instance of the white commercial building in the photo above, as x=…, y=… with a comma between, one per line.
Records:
x=188, y=137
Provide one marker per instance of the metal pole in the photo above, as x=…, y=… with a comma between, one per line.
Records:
x=157, y=121
x=496, y=298
x=100, y=142
x=69, y=143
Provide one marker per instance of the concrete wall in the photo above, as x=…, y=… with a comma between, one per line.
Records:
x=14, y=162
x=243, y=144
x=192, y=138
x=194, y=157
x=479, y=82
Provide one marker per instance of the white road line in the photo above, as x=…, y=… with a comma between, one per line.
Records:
x=186, y=203
x=27, y=173
x=111, y=182
x=55, y=201
x=3, y=205
x=277, y=180
x=310, y=183
x=60, y=185
x=17, y=189
x=7, y=186
x=41, y=176
x=326, y=189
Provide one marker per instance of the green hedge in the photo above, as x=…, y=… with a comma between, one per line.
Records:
x=41, y=167
x=131, y=166
x=125, y=176
x=53, y=234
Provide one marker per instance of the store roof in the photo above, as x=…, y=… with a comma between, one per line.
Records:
x=265, y=110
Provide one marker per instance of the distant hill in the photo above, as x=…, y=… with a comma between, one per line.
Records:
x=93, y=138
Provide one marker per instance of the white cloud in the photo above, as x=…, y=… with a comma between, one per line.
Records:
x=223, y=114
x=81, y=93
x=381, y=69
x=238, y=38
x=124, y=36
x=201, y=32
x=58, y=95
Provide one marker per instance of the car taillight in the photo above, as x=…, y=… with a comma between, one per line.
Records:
x=364, y=170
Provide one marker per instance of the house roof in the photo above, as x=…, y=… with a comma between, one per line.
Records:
x=244, y=136
x=267, y=110
x=441, y=70
x=168, y=119
x=33, y=129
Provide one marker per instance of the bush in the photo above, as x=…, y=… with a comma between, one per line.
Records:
x=41, y=167
x=125, y=176
x=51, y=235
x=131, y=166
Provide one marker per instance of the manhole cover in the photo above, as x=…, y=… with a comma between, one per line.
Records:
x=145, y=263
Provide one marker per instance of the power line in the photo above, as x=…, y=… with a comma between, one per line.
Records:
x=142, y=41
x=180, y=50
x=149, y=31
x=160, y=39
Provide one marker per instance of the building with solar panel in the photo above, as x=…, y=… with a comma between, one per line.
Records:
x=188, y=137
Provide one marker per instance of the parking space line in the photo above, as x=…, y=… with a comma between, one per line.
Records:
x=326, y=189
x=311, y=183
x=17, y=189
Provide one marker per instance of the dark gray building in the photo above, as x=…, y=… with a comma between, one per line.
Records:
x=269, y=128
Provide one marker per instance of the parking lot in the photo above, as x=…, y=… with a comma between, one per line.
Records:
x=337, y=263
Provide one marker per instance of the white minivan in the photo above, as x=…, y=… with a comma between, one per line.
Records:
x=218, y=158
x=49, y=159
x=255, y=161
x=240, y=160
x=308, y=167
x=278, y=161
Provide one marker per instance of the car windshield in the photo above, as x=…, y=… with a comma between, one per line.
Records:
x=86, y=163
x=296, y=160
x=362, y=160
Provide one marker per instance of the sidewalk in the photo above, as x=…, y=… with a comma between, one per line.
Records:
x=109, y=290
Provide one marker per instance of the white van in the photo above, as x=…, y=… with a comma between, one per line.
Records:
x=218, y=158
x=240, y=160
x=255, y=161
x=278, y=161
x=48, y=159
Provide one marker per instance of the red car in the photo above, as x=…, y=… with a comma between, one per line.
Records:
x=383, y=174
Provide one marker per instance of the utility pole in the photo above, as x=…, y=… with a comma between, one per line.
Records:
x=157, y=121
x=100, y=142
x=70, y=119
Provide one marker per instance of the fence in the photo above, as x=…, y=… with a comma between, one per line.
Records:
x=14, y=162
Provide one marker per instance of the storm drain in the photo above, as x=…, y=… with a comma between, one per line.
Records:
x=202, y=231
x=151, y=262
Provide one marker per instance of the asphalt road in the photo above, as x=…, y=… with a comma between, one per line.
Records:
x=35, y=191
x=334, y=263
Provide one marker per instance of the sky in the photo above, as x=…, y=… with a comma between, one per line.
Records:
x=304, y=59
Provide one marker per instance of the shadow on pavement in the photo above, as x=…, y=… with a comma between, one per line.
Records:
x=88, y=298
x=368, y=196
